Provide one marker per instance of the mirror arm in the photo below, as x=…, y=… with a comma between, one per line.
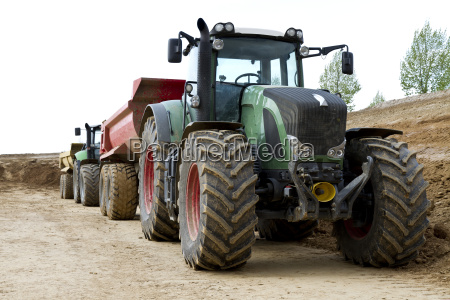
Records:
x=189, y=38
x=326, y=50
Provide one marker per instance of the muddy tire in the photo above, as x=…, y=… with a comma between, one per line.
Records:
x=217, y=201
x=76, y=186
x=155, y=220
x=122, y=196
x=102, y=189
x=61, y=186
x=67, y=187
x=282, y=230
x=89, y=177
x=394, y=206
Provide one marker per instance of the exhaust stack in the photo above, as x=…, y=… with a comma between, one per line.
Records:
x=204, y=73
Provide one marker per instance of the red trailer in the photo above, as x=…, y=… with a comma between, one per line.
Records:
x=124, y=125
x=118, y=182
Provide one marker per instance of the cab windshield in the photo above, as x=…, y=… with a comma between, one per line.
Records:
x=263, y=61
x=248, y=61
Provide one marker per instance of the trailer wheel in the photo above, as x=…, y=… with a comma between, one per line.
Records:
x=282, y=230
x=89, y=177
x=76, y=186
x=155, y=220
x=122, y=198
x=389, y=217
x=217, y=200
x=61, y=186
x=103, y=189
x=67, y=187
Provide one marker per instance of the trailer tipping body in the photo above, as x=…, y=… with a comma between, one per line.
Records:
x=123, y=126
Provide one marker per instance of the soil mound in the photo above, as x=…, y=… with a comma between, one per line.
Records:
x=33, y=169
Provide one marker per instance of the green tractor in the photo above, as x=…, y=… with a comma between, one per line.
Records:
x=250, y=148
x=86, y=167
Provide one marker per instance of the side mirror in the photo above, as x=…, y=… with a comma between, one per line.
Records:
x=77, y=131
x=174, y=50
x=347, y=63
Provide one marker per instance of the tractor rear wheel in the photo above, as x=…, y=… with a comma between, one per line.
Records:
x=282, y=230
x=76, y=186
x=89, y=177
x=390, y=216
x=122, y=196
x=67, y=187
x=155, y=220
x=217, y=200
x=102, y=189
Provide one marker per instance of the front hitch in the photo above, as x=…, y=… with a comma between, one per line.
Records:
x=343, y=209
x=308, y=204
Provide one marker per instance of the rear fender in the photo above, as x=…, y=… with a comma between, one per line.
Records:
x=169, y=120
x=81, y=155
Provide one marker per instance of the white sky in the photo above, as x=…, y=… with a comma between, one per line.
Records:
x=64, y=63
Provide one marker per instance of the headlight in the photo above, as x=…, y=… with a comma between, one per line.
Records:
x=290, y=32
x=189, y=88
x=195, y=101
x=217, y=44
x=299, y=34
x=304, y=51
x=338, y=151
x=219, y=27
x=306, y=151
x=229, y=27
x=299, y=150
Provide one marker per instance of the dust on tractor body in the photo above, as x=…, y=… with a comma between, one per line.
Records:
x=249, y=147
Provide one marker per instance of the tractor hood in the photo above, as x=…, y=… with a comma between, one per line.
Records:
x=313, y=116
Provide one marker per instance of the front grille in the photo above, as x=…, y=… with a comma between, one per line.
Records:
x=304, y=118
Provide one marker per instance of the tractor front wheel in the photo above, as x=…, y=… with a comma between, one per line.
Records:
x=89, y=177
x=390, y=215
x=217, y=200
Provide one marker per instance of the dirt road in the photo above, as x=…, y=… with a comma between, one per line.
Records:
x=54, y=248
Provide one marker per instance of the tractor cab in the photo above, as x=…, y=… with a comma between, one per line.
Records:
x=242, y=57
x=91, y=148
x=245, y=61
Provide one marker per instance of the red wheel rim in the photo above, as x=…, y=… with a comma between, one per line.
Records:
x=149, y=176
x=193, y=202
x=356, y=233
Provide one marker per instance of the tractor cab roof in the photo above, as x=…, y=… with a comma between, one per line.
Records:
x=228, y=29
x=259, y=31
